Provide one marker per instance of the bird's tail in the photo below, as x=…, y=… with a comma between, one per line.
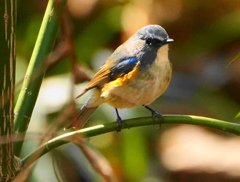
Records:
x=82, y=117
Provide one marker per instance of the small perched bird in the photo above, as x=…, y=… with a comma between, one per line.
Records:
x=136, y=74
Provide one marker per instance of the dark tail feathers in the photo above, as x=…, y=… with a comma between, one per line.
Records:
x=82, y=117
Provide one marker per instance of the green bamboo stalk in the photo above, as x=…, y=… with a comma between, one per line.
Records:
x=35, y=72
x=127, y=124
x=7, y=81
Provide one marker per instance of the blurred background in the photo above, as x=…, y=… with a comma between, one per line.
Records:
x=207, y=39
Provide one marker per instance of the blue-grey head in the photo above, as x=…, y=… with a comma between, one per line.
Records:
x=153, y=38
x=142, y=48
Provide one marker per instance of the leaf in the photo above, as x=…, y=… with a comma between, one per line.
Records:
x=238, y=115
x=234, y=59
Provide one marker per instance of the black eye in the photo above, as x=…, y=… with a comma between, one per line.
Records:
x=149, y=41
x=153, y=42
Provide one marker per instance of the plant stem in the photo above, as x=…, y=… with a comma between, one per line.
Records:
x=105, y=128
x=35, y=72
x=7, y=81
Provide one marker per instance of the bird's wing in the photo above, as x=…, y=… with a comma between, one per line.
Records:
x=111, y=70
x=123, y=67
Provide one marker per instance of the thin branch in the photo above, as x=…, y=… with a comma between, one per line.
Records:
x=127, y=124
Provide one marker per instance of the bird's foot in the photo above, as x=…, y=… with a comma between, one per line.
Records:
x=155, y=114
x=119, y=125
x=119, y=121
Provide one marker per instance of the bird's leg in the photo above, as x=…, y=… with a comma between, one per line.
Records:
x=155, y=114
x=119, y=121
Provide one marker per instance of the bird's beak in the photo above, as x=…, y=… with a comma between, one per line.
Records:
x=169, y=41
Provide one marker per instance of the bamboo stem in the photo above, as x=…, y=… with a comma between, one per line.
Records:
x=35, y=72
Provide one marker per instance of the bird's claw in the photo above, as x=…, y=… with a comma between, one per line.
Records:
x=119, y=121
x=119, y=124
x=155, y=114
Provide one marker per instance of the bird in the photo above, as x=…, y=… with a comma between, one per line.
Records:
x=136, y=74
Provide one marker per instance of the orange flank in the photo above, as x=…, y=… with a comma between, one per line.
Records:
x=125, y=78
x=122, y=80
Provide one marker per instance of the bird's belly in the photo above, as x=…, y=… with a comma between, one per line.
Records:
x=143, y=89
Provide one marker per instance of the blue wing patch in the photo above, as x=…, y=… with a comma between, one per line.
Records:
x=123, y=67
x=132, y=60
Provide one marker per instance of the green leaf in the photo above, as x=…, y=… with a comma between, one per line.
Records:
x=238, y=115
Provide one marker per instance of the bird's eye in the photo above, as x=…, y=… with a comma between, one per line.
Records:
x=149, y=41
x=153, y=42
